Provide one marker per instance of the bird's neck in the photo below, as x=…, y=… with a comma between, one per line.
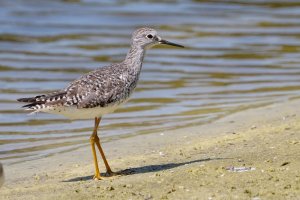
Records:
x=134, y=58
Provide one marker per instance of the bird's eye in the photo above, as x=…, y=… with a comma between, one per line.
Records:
x=150, y=36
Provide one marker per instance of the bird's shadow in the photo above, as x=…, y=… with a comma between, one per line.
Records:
x=144, y=169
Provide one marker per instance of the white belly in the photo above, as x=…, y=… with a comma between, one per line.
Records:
x=73, y=112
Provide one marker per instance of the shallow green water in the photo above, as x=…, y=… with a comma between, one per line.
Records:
x=239, y=54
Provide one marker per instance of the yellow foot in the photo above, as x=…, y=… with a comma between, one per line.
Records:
x=111, y=173
x=97, y=177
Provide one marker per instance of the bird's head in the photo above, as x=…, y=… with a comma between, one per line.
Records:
x=148, y=37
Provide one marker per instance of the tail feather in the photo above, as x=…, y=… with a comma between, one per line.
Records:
x=33, y=106
x=31, y=99
x=42, y=101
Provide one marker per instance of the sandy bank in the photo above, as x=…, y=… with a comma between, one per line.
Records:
x=189, y=163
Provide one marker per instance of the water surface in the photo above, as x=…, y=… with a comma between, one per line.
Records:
x=239, y=55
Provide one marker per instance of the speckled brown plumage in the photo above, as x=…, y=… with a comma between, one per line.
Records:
x=99, y=92
x=107, y=86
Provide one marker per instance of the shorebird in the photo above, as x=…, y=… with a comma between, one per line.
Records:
x=1, y=175
x=101, y=91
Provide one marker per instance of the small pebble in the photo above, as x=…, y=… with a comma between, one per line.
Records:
x=255, y=198
x=36, y=177
x=181, y=187
x=148, y=196
x=253, y=127
x=110, y=188
x=285, y=163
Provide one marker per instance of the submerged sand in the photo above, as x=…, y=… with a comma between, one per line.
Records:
x=254, y=154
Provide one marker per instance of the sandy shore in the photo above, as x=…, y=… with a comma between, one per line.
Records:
x=201, y=162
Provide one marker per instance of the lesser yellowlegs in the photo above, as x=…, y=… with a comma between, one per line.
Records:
x=101, y=91
x=1, y=175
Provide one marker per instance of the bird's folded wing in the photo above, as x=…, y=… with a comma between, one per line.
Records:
x=89, y=95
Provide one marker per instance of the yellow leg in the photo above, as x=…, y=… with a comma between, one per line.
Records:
x=108, y=170
x=97, y=141
x=92, y=141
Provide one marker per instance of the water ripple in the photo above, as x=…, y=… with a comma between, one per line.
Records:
x=238, y=55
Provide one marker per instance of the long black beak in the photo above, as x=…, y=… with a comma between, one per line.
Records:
x=170, y=43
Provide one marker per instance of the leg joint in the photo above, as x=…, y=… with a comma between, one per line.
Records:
x=94, y=138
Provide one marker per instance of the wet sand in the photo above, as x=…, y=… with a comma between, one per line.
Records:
x=200, y=162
